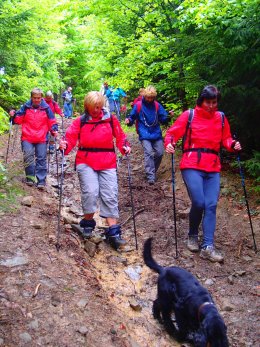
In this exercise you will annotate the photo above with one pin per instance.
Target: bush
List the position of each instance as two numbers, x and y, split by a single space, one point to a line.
10 189
4 121
252 166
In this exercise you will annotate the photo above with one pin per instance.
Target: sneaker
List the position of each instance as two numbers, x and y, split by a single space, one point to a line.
193 244
151 182
210 253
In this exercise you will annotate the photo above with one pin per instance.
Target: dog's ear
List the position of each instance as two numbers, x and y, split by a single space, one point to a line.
200 339
216 332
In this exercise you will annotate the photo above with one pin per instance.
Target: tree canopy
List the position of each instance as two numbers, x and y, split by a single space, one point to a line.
177 45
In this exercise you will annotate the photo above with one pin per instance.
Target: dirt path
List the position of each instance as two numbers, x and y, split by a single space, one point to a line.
102 297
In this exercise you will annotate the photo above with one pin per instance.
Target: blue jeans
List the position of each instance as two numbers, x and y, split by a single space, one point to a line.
68 110
203 189
35 160
153 153
114 107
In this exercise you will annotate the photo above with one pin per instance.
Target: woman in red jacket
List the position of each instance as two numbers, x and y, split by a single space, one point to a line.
200 166
94 132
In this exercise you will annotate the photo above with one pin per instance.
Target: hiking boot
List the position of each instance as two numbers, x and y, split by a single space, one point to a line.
210 253
193 244
29 182
113 236
87 226
41 185
151 182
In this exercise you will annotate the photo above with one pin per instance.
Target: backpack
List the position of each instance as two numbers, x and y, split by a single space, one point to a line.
189 129
139 107
84 119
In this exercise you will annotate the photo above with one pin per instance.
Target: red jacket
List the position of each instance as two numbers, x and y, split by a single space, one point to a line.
96 135
206 132
36 122
54 106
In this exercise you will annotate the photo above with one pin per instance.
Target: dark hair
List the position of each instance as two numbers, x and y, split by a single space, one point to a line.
208 92
36 91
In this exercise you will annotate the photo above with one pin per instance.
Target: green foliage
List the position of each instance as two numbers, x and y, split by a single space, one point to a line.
177 45
253 168
4 121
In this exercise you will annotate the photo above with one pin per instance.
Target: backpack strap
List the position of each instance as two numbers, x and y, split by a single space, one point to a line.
139 106
84 119
222 127
222 120
188 127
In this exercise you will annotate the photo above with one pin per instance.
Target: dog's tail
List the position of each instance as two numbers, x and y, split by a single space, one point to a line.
148 258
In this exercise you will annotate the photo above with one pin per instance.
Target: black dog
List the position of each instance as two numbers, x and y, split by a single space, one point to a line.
196 315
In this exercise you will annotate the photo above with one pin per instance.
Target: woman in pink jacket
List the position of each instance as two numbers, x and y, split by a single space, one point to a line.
94 134
205 131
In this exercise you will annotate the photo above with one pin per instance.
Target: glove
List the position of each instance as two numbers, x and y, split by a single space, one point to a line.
127 149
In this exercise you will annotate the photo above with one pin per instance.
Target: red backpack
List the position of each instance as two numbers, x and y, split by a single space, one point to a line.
139 107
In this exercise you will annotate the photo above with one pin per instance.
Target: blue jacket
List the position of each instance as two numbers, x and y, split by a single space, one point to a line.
149 120
114 94
67 97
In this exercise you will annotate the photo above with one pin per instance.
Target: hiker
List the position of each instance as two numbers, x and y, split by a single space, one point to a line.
139 98
200 166
114 96
68 100
149 114
96 164
54 106
37 119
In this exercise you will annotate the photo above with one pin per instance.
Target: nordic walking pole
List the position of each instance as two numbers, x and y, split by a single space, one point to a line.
245 195
48 154
174 205
8 143
132 200
60 201
62 126
15 136
57 160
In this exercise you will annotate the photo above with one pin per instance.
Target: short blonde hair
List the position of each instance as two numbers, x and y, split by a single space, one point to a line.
93 98
150 91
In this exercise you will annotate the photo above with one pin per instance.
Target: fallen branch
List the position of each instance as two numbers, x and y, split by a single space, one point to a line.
36 290
130 217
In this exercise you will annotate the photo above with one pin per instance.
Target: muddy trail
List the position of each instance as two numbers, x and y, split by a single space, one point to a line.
91 295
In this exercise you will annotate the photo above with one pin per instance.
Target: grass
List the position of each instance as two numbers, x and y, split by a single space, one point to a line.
10 189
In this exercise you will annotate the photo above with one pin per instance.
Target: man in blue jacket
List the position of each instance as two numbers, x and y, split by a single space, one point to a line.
148 115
